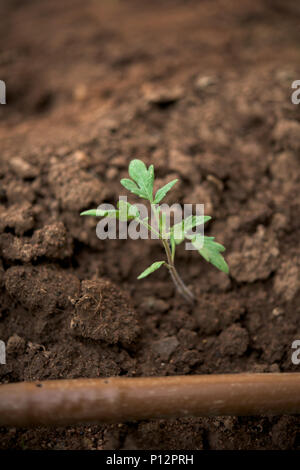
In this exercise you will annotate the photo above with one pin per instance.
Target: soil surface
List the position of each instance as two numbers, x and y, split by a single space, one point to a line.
201 90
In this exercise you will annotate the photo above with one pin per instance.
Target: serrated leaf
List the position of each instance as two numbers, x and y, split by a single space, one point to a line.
181 229
194 221
151 269
163 191
211 252
144 178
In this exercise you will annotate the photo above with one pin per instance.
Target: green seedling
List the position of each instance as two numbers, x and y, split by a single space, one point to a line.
141 184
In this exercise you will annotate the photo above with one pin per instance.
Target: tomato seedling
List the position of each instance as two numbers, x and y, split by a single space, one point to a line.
141 184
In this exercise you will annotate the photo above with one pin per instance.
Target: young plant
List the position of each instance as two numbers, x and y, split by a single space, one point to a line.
141 184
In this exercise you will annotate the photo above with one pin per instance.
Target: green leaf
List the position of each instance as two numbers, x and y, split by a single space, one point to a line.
137 170
132 187
211 252
151 180
181 229
100 213
178 240
144 178
151 268
127 211
194 221
92 212
163 191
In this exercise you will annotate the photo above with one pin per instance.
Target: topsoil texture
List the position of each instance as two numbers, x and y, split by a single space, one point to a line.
202 91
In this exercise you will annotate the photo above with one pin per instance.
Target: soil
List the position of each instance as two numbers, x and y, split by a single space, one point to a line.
201 90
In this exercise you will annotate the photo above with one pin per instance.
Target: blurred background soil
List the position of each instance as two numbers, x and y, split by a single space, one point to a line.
201 89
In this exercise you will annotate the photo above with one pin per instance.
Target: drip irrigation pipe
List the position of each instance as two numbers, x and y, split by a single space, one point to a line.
119 399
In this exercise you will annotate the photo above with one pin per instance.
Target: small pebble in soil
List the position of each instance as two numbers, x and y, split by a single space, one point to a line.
277 311
204 81
22 168
161 95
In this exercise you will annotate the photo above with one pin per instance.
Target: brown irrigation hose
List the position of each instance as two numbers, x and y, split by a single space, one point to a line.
118 399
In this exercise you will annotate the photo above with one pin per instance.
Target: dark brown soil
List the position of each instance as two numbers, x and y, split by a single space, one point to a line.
202 91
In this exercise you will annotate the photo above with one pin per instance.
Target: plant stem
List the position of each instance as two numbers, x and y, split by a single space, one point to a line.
179 284
182 289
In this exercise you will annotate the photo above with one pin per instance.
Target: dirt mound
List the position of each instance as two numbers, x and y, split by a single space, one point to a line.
103 313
